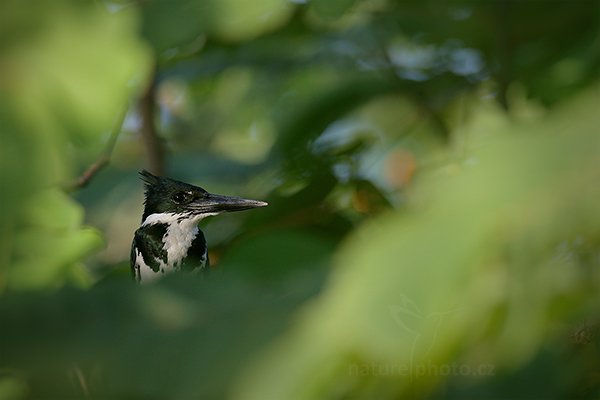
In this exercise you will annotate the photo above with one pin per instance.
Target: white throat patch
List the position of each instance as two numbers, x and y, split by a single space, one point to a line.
181 231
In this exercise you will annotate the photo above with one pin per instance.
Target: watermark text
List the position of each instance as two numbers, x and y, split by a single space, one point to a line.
420 370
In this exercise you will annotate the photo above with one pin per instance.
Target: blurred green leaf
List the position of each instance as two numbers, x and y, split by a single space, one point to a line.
63 86
12 388
331 9
413 289
171 26
48 247
185 337
281 253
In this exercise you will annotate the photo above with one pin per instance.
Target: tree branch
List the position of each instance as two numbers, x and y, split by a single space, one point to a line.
152 142
102 161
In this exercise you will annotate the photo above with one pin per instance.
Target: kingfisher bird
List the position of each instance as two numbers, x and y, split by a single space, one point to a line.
169 238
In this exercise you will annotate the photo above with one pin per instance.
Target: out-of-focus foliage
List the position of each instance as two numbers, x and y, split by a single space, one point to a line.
494 254
432 176
66 70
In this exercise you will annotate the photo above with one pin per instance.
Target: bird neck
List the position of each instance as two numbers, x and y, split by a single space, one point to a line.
178 233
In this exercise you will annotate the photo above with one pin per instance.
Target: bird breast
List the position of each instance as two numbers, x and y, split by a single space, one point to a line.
182 229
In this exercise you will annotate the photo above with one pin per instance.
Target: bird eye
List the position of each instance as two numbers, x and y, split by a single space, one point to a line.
182 197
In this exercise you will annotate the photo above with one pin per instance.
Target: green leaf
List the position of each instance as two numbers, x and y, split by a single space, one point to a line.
478 248
65 79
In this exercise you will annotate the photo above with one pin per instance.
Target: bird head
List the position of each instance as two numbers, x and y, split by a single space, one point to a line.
165 195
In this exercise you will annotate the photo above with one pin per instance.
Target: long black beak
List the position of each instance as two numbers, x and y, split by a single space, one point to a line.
216 203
